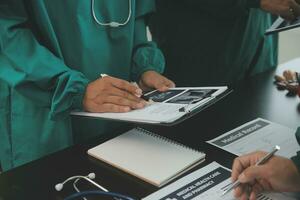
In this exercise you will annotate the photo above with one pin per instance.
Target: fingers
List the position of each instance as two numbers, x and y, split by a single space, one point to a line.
110 94
153 80
126 86
117 100
265 184
237 169
248 191
244 168
113 91
279 78
100 108
241 163
256 190
112 108
164 84
295 8
287 81
244 193
288 10
170 83
251 174
289 75
238 191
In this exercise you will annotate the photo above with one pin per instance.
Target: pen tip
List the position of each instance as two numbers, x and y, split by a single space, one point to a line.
223 193
277 147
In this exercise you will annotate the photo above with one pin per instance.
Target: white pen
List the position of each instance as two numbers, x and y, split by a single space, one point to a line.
260 162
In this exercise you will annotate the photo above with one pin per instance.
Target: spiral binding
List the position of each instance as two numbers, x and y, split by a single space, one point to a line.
165 139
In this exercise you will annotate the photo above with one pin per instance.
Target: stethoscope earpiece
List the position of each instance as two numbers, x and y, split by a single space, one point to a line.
59 187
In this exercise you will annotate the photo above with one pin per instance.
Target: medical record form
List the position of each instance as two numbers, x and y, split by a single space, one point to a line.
258 135
207 183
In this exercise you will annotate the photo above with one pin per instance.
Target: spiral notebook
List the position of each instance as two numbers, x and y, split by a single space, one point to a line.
150 157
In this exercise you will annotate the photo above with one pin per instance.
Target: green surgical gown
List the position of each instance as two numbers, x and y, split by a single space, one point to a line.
49 51
213 42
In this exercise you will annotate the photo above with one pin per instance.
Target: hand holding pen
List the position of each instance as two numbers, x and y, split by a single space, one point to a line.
262 171
109 94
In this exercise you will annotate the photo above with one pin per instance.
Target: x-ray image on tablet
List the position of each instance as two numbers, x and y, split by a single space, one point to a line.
281 25
192 96
158 96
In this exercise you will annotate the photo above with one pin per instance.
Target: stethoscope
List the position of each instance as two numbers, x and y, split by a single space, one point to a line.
83 194
112 24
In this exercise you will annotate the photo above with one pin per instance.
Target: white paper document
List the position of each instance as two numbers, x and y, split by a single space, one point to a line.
261 135
207 183
167 107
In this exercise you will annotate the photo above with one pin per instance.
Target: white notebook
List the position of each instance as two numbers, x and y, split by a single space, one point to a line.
150 157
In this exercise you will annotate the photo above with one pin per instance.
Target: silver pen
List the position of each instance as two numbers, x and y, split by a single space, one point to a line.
260 162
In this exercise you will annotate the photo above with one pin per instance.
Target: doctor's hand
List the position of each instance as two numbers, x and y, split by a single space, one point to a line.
288 80
109 94
153 80
287 9
277 174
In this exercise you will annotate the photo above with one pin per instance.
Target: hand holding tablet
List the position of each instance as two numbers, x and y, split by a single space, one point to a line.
287 9
281 25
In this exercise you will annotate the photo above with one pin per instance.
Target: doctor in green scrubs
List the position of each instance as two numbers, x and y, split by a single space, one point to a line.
52 53
214 42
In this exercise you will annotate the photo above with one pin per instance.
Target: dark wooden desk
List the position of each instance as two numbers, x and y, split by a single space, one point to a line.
253 98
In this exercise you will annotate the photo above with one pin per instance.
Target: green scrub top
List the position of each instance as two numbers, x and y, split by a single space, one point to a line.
49 51
213 42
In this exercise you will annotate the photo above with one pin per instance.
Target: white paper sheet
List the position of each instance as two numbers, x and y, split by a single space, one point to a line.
165 109
207 183
258 134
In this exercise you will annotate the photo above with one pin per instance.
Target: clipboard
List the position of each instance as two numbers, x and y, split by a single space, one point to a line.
184 116
282 25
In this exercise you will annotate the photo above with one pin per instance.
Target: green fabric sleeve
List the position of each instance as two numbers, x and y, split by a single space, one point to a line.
146 55
144 8
34 71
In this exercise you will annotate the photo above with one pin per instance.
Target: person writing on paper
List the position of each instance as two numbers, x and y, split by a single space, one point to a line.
51 56
278 174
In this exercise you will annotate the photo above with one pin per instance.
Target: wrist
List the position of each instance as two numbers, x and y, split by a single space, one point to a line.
77 103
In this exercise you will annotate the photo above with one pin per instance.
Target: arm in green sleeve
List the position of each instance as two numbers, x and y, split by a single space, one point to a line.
146 55
35 72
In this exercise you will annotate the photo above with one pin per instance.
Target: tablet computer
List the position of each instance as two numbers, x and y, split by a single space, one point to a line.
281 25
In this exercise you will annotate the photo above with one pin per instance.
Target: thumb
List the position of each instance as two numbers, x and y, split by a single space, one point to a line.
250 174
160 86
